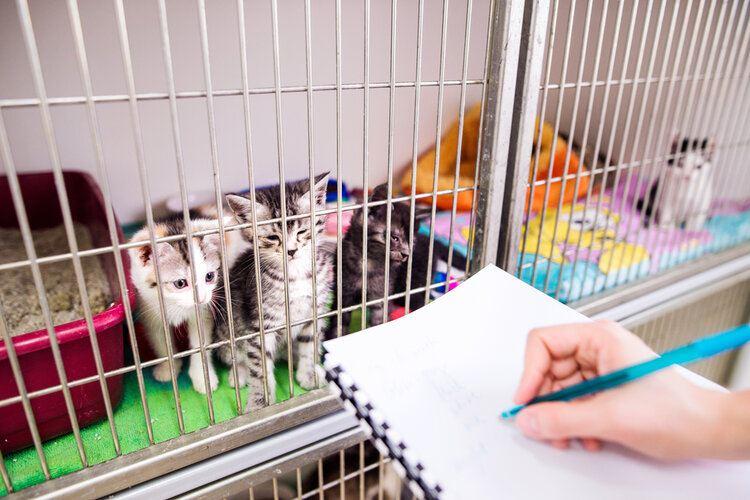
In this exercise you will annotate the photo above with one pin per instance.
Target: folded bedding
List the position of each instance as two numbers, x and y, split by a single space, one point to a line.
611 246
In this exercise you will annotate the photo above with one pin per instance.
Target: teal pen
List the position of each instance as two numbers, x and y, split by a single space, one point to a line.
689 353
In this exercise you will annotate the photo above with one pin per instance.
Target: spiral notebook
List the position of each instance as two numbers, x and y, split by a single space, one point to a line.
430 387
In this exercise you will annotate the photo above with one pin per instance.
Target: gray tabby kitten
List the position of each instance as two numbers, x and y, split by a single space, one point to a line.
246 312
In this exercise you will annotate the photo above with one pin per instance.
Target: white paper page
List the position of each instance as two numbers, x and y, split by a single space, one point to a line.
441 376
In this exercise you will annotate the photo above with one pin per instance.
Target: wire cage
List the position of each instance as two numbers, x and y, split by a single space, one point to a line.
165 107
525 133
637 157
355 471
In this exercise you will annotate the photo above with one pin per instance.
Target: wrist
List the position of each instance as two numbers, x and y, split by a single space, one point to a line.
731 430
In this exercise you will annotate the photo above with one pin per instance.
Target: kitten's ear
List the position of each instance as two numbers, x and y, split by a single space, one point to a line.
675 146
319 190
141 253
380 192
144 254
242 208
211 243
711 148
321 187
162 249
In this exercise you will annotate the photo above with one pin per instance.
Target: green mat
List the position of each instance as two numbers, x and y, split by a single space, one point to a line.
62 455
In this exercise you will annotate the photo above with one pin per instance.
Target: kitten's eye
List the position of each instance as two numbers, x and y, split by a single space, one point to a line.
303 234
210 276
395 238
180 283
273 238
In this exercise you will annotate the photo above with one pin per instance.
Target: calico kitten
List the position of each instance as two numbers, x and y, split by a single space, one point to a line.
352 255
270 257
177 288
684 198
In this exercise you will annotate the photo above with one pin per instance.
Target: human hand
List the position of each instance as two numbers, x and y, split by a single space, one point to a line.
663 415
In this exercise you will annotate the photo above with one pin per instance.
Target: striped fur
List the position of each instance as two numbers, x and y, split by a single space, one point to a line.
243 286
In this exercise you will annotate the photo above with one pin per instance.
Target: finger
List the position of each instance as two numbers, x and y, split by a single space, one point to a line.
537 361
591 444
560 444
573 379
564 340
547 386
589 374
563 368
548 343
562 420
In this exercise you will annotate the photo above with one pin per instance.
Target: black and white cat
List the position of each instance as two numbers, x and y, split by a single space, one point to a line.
353 255
246 312
684 198
177 288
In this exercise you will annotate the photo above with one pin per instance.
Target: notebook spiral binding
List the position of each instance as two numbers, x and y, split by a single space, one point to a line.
396 449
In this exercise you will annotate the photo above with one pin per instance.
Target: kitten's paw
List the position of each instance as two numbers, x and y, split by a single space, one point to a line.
199 383
306 377
256 401
241 376
162 372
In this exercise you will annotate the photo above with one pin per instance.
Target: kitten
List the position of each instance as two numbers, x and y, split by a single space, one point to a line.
177 288
352 255
244 287
683 200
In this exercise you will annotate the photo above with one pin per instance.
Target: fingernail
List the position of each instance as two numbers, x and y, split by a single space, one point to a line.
528 423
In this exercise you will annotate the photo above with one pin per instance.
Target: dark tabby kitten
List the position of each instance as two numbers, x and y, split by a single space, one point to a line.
352 255
244 287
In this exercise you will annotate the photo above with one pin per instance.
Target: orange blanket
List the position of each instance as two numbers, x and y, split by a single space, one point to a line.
446 168
557 162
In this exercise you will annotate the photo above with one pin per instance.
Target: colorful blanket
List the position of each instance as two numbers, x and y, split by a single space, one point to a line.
461 230
583 250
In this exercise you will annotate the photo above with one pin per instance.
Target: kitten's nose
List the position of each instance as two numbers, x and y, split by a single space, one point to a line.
291 251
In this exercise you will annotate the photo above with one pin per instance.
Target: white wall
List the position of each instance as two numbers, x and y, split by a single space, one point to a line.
71 126
57 52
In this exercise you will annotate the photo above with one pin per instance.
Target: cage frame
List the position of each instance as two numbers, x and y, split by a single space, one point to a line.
516 44
498 84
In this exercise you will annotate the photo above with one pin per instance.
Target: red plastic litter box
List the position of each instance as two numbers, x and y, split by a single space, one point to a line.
33 348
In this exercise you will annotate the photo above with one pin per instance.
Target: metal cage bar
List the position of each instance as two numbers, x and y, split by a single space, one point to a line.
39 84
494 170
146 195
85 74
172 97
39 284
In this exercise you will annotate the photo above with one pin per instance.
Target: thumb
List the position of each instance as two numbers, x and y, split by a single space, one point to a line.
561 420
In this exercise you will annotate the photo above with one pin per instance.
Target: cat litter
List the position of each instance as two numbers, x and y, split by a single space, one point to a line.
20 301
